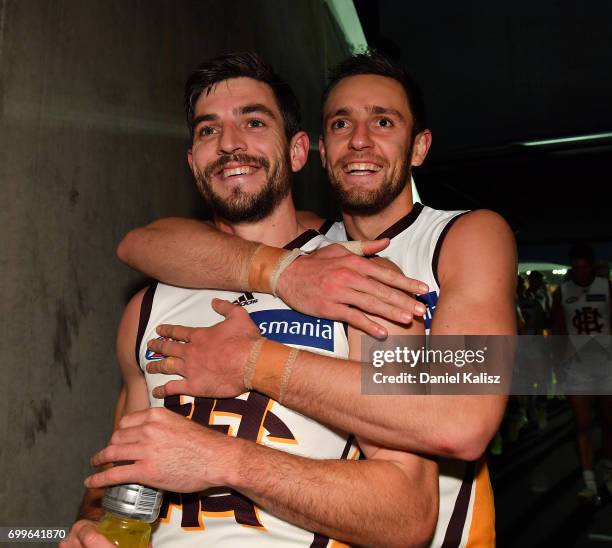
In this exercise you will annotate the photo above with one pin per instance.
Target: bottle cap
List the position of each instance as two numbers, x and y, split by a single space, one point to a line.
133 501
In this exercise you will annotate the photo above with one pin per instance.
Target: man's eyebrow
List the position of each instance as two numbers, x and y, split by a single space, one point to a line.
376 109
204 118
254 108
342 111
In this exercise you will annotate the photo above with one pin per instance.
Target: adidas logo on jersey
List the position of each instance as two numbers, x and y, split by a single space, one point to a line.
245 299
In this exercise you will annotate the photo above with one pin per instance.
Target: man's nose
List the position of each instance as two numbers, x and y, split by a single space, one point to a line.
231 140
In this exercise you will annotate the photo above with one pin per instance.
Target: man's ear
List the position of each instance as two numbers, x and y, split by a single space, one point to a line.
322 152
299 147
420 148
190 160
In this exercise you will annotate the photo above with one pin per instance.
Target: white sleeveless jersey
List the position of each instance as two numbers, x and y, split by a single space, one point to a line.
223 517
587 314
466 516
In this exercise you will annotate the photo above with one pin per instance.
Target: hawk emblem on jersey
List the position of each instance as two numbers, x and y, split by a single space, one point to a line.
291 327
586 320
430 300
257 423
150 355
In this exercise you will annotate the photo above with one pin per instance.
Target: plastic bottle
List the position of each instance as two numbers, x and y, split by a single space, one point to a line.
130 510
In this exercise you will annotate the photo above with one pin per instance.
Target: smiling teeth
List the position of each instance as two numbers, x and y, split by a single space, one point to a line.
362 167
243 170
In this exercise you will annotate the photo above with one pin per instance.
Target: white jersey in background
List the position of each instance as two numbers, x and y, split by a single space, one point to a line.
223 517
467 515
587 320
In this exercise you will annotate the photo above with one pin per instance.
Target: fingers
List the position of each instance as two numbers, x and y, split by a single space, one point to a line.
176 332
168 366
128 473
171 388
360 321
84 534
117 453
167 348
370 247
394 278
378 299
140 417
126 435
223 307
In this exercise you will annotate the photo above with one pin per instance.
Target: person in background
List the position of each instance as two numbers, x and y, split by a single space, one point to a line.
581 309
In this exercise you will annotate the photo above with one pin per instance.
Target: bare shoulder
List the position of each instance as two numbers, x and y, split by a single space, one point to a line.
134 394
481 225
309 219
128 331
131 314
478 244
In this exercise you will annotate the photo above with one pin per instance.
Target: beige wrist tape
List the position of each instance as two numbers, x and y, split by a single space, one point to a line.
269 368
262 266
266 266
285 261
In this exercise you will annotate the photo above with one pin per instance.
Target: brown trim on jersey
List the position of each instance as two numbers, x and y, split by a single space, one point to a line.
347 447
403 223
319 541
302 239
145 313
435 259
327 224
454 531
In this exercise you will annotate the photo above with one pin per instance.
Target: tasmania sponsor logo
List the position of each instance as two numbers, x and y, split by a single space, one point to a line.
595 297
291 327
430 300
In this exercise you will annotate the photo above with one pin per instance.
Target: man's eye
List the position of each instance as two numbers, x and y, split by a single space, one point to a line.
255 123
206 130
385 122
339 124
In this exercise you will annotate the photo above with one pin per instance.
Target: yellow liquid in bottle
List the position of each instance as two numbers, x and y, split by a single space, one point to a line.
125 533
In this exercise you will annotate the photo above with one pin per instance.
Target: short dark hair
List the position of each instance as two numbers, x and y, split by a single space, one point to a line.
582 251
245 64
373 62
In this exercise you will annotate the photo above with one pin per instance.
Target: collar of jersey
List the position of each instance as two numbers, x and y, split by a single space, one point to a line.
400 225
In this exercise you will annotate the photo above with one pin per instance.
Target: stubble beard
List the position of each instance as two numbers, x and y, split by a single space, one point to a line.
365 202
240 206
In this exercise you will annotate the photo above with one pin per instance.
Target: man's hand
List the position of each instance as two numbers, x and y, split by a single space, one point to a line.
84 534
168 451
336 284
212 363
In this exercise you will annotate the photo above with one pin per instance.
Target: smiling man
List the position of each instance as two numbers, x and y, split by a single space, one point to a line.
244 469
374 133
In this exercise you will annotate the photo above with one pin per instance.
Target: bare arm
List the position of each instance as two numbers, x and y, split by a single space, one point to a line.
133 397
331 282
186 252
477 298
558 314
337 498
332 497
477 272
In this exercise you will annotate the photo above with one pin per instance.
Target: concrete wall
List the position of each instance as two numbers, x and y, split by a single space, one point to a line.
91 144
